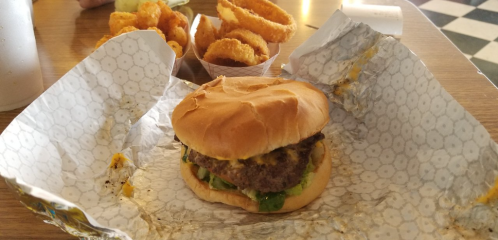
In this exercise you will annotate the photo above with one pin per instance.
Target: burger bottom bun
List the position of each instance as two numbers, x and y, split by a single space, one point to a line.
320 179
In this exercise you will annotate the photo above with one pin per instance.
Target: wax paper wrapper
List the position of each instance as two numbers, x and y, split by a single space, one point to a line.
408 160
217 70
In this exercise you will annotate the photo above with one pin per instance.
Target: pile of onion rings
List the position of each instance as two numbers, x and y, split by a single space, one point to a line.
170 25
229 48
236 48
247 26
259 16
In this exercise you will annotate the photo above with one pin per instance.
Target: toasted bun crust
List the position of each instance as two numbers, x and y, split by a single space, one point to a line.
240 117
322 175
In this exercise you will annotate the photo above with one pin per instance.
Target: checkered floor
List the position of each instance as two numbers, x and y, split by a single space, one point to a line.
472 25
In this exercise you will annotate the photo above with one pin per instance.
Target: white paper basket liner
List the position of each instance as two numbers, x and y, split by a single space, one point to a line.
407 164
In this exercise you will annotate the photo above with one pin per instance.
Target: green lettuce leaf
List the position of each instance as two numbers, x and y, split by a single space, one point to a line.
217 183
294 191
203 174
271 202
185 155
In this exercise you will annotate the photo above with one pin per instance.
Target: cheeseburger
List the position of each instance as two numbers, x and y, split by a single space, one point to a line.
254 142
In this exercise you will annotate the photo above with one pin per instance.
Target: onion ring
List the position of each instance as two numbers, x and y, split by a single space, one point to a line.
252 39
228 48
260 16
226 28
205 35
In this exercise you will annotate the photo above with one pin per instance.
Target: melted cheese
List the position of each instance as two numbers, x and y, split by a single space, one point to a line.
341 87
265 159
292 154
317 153
236 164
182 152
491 195
271 158
128 189
118 161
354 72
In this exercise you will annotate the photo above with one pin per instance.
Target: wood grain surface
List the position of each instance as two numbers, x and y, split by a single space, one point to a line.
66 34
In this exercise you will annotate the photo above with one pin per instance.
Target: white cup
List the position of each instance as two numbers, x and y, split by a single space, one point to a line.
20 73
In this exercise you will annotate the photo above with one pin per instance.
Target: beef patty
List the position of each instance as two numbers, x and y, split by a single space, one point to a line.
284 170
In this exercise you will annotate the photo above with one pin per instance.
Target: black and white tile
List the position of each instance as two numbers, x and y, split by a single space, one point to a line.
472 25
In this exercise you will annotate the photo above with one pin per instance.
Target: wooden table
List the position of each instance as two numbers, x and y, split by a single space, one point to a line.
66 34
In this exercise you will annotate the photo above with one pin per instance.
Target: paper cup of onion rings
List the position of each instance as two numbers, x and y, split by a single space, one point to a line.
231 68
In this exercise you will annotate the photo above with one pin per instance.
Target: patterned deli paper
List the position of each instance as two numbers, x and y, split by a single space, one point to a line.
408 160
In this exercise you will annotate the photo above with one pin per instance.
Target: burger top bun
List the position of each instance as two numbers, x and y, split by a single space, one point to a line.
240 117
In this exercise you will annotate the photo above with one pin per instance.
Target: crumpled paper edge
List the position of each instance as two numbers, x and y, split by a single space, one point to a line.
464 216
56 210
357 71
61 213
